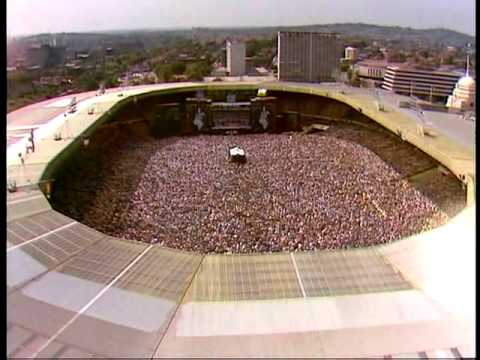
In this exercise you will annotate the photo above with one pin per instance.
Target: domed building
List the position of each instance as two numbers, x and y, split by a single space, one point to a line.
463 96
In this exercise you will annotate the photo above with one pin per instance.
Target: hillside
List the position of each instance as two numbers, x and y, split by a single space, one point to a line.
443 37
147 39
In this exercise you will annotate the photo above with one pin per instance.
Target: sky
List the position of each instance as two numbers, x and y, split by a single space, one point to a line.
38 16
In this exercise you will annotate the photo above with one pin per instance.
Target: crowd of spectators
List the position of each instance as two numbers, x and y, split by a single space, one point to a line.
403 157
295 192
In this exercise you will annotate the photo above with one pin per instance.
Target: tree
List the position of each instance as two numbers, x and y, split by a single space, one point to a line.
178 68
255 46
448 59
19 77
134 57
111 80
424 53
353 78
89 81
198 70
164 72
377 54
360 44
397 56
150 79
337 75
344 67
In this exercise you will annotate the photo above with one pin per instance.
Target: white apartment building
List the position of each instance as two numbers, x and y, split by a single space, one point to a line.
236 53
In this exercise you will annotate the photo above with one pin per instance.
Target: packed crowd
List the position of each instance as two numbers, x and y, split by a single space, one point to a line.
403 157
296 192
442 188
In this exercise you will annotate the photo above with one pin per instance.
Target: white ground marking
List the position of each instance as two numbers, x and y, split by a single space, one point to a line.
90 303
25 199
298 275
41 236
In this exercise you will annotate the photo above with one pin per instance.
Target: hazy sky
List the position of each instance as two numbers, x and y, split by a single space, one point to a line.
35 16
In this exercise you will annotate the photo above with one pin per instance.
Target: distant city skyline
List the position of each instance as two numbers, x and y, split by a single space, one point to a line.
25 17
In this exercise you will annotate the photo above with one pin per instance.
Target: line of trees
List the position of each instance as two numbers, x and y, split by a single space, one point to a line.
193 71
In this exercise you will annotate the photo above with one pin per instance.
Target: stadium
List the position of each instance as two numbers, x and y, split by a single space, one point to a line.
131 232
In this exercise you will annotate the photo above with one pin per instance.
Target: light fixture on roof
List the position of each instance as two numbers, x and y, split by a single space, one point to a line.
379 106
12 186
101 90
48 188
262 92
44 185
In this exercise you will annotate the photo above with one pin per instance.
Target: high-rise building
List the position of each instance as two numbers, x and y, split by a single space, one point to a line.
308 56
236 53
45 55
37 55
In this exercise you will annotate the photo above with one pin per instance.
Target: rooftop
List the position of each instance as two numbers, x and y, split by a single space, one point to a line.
378 63
438 71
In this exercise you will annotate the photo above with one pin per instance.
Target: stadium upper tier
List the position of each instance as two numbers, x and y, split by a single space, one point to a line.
75 292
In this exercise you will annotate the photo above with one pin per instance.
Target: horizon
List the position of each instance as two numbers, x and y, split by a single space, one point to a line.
86 16
152 29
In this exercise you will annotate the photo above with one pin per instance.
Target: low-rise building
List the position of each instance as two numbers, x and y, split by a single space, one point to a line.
219 71
179 78
82 56
261 71
250 66
351 54
372 71
451 49
434 85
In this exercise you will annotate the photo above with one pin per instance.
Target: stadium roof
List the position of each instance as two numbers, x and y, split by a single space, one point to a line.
74 292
